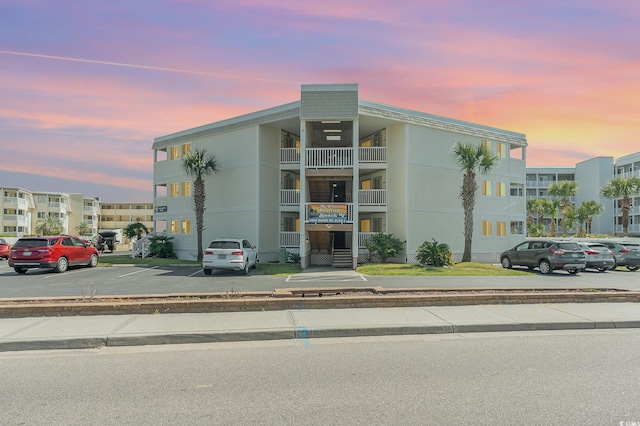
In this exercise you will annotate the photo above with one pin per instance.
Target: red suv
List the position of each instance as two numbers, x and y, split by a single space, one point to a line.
51 252
4 248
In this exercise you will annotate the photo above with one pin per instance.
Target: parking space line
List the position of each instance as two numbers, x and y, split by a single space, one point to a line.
195 273
135 272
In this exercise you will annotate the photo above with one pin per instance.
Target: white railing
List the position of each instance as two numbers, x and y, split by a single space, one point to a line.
10 217
372 154
363 237
329 213
329 158
289 197
289 239
632 228
372 197
142 246
290 155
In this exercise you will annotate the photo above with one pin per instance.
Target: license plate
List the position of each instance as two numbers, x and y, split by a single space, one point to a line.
222 256
26 253
574 254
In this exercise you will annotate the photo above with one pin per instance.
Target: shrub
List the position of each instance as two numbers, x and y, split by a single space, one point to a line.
161 246
384 245
435 254
294 257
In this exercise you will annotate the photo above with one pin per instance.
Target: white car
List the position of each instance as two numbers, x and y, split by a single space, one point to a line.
235 254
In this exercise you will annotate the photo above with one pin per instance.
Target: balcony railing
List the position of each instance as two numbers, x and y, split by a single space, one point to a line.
363 237
329 213
372 154
290 197
372 197
329 158
289 239
290 155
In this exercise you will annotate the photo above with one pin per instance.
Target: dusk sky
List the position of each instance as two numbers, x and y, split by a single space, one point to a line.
86 86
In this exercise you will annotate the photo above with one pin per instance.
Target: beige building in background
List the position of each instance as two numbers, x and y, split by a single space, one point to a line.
22 209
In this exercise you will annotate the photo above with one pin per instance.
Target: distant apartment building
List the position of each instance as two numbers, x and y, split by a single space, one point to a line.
591 175
23 209
321 175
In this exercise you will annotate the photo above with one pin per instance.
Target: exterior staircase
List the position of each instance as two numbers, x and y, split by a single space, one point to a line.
342 258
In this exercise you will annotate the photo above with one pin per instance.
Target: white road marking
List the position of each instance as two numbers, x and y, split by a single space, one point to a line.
135 272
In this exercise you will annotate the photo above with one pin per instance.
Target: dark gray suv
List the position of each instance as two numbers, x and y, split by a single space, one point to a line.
546 255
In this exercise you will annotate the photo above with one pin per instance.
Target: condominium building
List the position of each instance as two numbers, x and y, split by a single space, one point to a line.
23 209
321 175
591 176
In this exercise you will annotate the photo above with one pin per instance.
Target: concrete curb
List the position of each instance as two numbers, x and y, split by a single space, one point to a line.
262 301
296 333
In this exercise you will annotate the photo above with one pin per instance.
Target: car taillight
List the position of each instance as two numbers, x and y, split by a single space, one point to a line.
625 251
558 252
591 252
236 253
208 252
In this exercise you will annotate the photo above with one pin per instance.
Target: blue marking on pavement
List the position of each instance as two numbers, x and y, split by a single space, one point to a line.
303 336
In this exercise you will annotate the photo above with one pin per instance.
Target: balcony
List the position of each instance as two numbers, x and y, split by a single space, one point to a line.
289 239
372 197
328 158
289 197
329 213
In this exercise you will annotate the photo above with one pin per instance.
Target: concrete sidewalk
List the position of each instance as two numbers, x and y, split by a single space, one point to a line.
35 333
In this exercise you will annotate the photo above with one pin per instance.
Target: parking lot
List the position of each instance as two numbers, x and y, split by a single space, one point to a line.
129 280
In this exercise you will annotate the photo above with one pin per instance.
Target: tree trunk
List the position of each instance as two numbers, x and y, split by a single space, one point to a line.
199 199
468 196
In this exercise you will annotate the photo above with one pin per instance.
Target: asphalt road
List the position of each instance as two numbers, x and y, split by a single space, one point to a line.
545 378
127 280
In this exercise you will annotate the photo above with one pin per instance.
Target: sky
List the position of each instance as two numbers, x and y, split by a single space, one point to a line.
85 87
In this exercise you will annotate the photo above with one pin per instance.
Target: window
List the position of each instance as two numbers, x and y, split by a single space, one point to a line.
487 228
174 152
186 188
516 190
42 215
186 148
517 227
377 225
174 190
486 145
186 226
173 226
365 184
365 225
501 229
486 187
501 150
501 189
377 182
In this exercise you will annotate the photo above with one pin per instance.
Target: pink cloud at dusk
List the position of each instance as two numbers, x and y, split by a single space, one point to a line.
85 90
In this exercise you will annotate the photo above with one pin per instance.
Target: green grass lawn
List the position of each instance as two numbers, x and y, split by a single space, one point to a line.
386 269
461 269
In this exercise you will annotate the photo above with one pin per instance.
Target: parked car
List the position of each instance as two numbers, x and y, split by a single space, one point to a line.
4 249
230 253
625 254
598 256
546 255
57 252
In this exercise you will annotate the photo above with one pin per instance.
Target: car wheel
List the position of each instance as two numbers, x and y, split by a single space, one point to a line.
506 262
615 265
255 264
573 271
207 271
93 262
632 268
246 268
602 269
62 265
545 267
20 270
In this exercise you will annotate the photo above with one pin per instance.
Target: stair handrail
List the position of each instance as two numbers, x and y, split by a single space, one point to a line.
142 246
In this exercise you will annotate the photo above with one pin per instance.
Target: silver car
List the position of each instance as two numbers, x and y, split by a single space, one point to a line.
236 254
598 256
626 254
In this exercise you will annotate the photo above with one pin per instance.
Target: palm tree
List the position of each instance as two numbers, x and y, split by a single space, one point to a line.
564 190
581 218
471 158
532 204
593 208
551 210
49 225
623 189
198 164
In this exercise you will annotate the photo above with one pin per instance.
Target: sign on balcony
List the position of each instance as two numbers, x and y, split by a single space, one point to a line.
328 213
